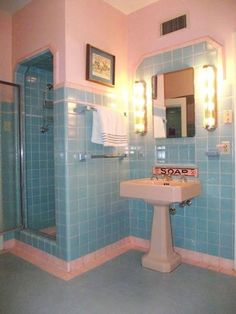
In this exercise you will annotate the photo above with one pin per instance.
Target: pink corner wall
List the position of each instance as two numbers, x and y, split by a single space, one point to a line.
5 46
215 19
102 26
38 26
66 26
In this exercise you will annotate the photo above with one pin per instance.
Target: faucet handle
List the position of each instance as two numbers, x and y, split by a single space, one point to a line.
167 177
183 179
154 176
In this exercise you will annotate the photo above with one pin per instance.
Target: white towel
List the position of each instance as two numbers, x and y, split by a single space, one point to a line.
159 126
109 128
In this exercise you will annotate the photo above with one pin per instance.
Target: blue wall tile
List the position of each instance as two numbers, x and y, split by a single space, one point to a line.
39 150
89 212
209 220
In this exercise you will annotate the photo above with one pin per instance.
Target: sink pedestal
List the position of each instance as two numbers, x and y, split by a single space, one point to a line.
161 256
161 194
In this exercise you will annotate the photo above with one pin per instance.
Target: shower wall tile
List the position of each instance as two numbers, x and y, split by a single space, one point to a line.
9 166
9 235
89 212
39 152
207 226
39 201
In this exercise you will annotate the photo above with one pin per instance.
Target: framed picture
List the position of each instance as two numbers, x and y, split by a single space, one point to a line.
100 66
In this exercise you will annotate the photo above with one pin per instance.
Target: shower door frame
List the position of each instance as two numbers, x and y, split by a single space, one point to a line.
21 154
234 159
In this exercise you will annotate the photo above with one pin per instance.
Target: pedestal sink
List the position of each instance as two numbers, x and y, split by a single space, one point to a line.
161 194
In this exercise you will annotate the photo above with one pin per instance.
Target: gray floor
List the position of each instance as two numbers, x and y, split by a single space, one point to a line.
119 286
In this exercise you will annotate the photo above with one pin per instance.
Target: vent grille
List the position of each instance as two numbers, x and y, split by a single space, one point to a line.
174 25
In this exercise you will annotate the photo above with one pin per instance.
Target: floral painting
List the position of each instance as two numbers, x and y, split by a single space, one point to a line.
100 67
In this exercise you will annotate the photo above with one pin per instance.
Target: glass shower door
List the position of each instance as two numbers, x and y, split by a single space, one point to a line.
10 163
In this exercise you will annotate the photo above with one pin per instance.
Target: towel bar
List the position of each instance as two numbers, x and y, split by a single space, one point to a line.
88 156
82 108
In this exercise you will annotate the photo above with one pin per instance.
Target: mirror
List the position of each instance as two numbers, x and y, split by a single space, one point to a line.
173 104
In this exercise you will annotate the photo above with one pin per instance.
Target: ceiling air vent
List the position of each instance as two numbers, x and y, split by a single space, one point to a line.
174 25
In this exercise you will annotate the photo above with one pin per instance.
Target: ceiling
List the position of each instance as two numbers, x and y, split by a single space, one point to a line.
11 6
129 6
125 6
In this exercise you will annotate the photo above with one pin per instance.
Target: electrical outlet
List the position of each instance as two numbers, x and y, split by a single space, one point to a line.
225 147
227 116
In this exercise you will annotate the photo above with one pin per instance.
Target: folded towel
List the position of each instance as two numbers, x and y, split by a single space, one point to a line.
159 126
109 127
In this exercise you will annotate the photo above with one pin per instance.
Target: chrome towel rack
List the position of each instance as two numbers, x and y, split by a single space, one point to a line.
82 108
88 156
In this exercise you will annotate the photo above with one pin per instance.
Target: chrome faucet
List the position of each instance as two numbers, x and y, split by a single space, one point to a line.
167 177
154 176
183 179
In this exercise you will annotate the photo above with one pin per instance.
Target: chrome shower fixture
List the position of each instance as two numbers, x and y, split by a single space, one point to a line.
44 129
49 86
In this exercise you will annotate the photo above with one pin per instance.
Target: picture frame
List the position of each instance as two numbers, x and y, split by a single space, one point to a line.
100 66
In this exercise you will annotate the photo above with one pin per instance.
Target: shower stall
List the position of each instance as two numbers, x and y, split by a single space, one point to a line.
39 193
27 180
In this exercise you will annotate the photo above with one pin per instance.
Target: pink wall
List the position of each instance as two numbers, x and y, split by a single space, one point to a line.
5 47
41 25
67 25
215 19
96 23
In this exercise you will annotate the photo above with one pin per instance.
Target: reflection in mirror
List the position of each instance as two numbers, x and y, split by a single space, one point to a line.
174 106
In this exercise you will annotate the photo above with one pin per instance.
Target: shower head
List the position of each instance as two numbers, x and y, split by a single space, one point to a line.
49 86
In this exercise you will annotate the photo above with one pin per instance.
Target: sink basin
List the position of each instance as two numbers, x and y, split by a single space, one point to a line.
160 191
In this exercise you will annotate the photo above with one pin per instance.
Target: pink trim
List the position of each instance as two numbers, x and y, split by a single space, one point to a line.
68 270
214 263
89 88
139 244
54 52
9 244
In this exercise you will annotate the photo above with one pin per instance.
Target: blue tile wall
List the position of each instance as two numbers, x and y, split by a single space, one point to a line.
33 81
9 235
208 225
9 167
38 241
39 150
89 212
93 215
61 177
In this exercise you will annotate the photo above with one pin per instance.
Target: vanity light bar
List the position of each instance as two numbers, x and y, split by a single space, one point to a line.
140 107
209 97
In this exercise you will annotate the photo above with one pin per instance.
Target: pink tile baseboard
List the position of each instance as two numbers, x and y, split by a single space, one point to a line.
9 244
214 263
68 270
